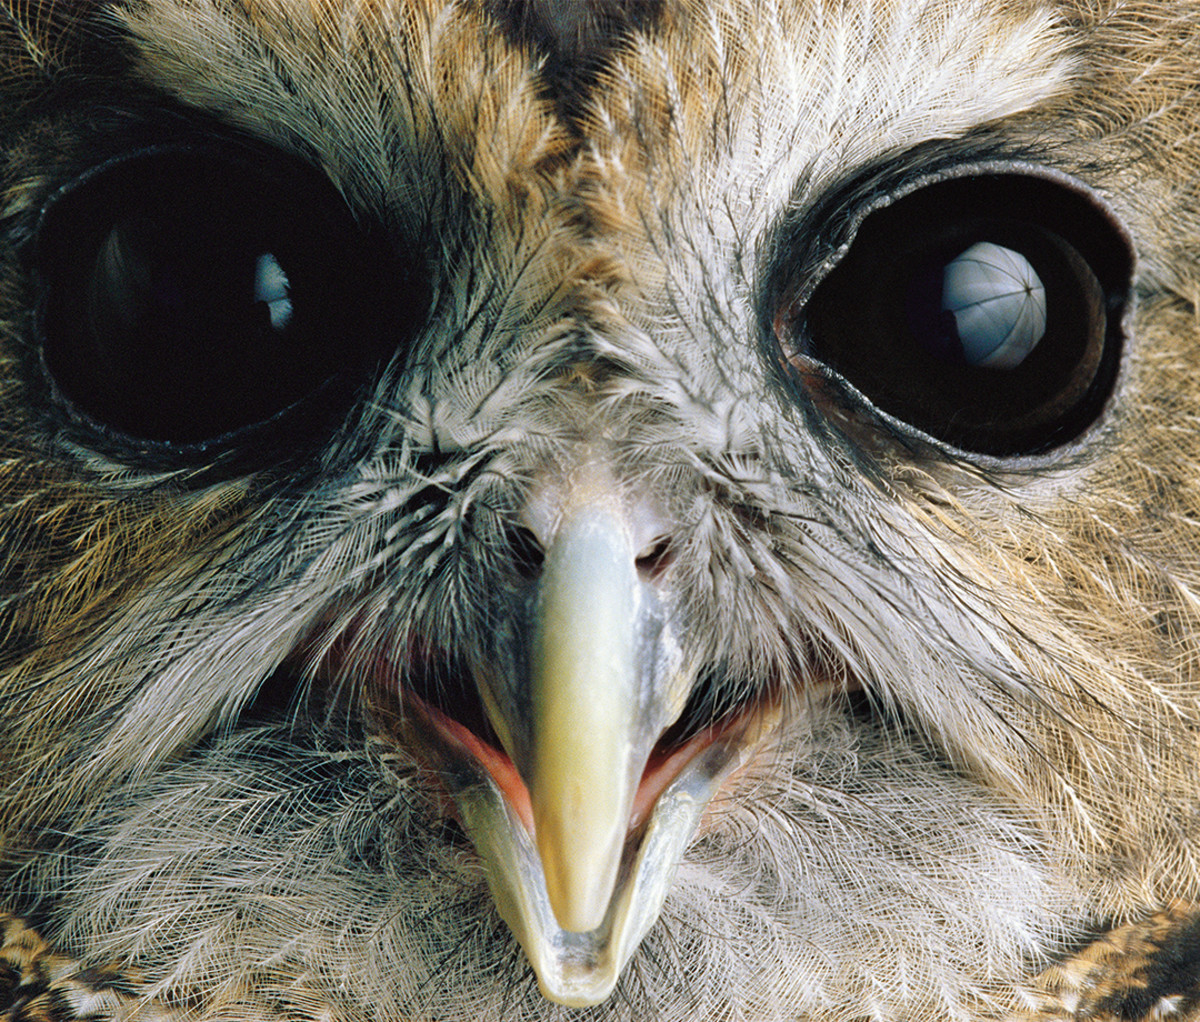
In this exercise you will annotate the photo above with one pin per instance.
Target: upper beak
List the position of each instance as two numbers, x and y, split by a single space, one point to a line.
602 689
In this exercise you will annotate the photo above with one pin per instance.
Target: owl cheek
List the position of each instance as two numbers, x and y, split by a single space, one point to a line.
578 795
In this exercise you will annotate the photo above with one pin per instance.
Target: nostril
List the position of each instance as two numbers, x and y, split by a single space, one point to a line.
655 558
527 553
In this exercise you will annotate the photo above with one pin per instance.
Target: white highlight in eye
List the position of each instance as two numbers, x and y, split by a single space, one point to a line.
998 302
271 286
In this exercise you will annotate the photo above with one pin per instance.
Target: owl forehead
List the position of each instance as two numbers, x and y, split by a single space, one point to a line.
743 101
727 98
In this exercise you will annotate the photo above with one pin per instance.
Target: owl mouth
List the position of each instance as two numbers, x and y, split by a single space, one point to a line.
685 770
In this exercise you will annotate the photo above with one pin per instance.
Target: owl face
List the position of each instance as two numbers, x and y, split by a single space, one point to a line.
596 511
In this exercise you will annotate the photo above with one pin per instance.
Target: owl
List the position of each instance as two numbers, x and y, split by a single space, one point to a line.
603 511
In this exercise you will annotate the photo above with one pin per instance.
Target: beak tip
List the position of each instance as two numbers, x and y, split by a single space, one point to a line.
578 918
579 887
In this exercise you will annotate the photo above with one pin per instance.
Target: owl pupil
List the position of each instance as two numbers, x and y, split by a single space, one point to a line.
984 310
155 278
176 311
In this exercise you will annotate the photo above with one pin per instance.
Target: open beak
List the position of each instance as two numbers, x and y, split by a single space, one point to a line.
583 815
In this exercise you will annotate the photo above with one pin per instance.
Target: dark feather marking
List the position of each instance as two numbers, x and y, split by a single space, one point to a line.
576 38
1171 970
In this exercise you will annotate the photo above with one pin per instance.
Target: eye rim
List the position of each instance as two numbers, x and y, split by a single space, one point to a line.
820 251
306 417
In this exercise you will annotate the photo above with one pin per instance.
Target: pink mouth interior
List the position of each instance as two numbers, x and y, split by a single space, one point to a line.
663 767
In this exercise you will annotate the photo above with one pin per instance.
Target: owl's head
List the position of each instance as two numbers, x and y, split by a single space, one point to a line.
704 493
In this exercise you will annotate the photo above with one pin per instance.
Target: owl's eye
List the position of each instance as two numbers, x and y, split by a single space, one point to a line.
984 311
186 295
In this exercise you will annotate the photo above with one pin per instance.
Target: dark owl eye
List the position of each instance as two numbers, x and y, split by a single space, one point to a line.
185 294
985 311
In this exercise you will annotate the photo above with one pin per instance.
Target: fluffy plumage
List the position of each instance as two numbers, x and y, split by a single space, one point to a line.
609 222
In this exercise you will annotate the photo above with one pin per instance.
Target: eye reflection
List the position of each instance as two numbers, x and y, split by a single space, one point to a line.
273 289
986 307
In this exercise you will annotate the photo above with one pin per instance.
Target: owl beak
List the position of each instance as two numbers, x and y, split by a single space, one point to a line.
581 850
